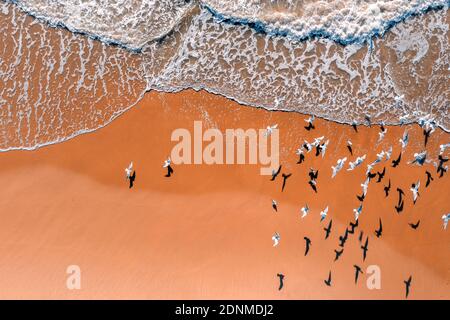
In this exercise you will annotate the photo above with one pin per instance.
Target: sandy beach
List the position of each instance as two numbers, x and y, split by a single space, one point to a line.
205 232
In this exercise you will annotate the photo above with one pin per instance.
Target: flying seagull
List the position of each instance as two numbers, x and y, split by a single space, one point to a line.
323 214
339 165
445 219
415 190
269 130
276 239
275 205
305 210
169 168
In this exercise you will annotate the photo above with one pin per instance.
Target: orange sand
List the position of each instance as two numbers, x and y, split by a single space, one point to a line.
206 232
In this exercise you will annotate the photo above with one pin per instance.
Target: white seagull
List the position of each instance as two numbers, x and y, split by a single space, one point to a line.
357 212
317 141
388 153
305 210
129 170
339 165
415 190
357 162
442 148
310 119
270 129
381 134
276 239
167 163
323 214
445 219
419 158
365 186
404 140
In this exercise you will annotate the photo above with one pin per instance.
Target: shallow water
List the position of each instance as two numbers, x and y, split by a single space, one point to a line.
281 55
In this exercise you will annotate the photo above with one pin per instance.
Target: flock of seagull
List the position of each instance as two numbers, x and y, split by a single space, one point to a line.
320 145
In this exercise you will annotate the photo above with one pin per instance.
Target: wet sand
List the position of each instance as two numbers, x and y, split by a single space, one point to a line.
205 233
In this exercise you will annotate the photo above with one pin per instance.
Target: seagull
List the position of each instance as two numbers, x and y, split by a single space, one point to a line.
317 141
305 210
328 229
339 165
310 121
301 155
357 212
404 140
445 219
269 130
388 153
275 173
349 147
419 158
380 230
169 168
403 119
415 190
276 239
381 134
357 162
338 254
380 157
407 284
442 148
307 146
365 185
358 271
354 125
275 205
308 243
323 214
281 277
129 171
328 281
